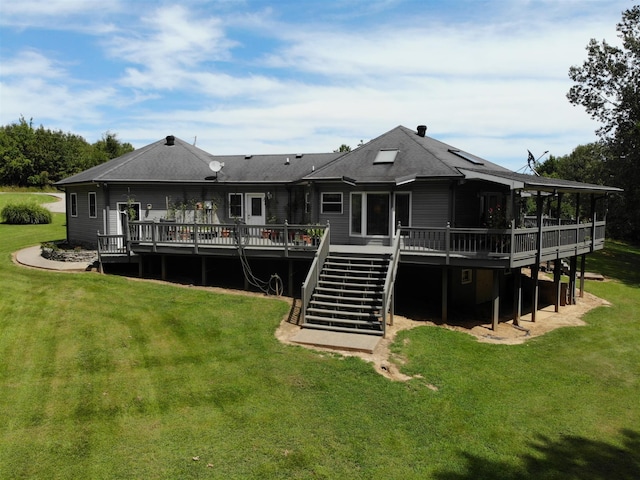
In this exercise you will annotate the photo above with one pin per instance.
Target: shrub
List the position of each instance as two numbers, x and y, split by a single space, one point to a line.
25 214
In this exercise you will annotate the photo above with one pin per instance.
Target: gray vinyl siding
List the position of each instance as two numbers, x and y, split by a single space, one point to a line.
430 204
339 222
81 229
160 198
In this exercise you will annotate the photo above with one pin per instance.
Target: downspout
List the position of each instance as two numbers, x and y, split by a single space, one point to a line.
107 201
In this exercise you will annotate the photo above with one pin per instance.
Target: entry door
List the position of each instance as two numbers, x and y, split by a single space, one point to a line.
122 209
255 209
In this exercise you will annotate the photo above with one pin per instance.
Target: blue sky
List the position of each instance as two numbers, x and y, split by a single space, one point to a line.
245 76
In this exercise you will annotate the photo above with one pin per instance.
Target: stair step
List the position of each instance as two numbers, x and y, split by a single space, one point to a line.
361 295
350 278
334 328
331 283
355 271
350 299
369 263
333 314
343 321
333 307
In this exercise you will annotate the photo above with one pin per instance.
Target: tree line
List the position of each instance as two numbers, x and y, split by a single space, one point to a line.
39 157
607 85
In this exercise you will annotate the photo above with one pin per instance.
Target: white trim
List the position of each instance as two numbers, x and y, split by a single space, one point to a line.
229 214
363 219
73 202
95 197
249 217
322 203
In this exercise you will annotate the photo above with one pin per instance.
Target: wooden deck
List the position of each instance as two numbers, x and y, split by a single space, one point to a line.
509 248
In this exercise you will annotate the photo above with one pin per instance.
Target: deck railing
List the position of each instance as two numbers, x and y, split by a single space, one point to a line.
313 275
514 243
389 282
111 244
280 236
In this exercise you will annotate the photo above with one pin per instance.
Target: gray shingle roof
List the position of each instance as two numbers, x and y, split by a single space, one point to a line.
417 157
157 162
533 182
182 162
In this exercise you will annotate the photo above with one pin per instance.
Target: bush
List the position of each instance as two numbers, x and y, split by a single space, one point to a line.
25 214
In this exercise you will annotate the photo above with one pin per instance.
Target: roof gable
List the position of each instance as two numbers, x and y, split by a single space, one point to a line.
159 161
416 157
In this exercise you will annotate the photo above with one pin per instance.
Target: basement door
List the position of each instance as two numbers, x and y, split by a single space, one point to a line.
256 209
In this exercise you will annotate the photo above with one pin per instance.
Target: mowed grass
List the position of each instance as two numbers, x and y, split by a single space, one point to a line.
109 377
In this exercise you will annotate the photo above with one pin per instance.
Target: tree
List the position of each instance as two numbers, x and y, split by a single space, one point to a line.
343 148
585 164
608 87
109 147
39 157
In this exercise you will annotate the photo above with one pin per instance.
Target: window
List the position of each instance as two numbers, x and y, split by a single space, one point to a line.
235 205
331 203
378 214
93 209
386 156
403 209
73 199
356 213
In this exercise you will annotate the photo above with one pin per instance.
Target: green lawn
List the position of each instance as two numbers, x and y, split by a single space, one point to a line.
107 377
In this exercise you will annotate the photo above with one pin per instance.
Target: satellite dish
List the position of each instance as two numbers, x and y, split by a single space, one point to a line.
215 166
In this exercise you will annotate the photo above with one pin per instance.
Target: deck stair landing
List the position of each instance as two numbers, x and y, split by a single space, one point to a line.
348 296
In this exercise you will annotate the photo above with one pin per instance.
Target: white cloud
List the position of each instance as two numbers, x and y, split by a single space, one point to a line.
30 63
494 86
168 46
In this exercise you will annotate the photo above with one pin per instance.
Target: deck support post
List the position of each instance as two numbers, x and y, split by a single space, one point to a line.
572 280
495 301
535 270
163 267
557 273
140 266
517 295
582 267
290 282
445 293
203 270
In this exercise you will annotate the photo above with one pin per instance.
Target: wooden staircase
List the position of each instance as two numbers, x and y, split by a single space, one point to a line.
348 294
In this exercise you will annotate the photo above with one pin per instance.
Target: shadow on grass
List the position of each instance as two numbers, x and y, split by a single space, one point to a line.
619 261
568 458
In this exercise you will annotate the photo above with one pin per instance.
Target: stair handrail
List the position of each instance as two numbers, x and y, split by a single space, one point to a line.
313 275
389 282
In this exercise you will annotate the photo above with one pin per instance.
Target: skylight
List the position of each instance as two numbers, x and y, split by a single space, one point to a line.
386 155
467 156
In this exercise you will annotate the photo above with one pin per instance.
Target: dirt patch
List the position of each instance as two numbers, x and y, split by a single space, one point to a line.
506 333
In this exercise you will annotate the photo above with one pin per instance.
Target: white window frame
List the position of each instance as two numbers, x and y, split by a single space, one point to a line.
95 204
241 196
363 219
73 204
324 203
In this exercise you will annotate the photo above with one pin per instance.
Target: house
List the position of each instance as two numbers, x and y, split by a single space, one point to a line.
403 202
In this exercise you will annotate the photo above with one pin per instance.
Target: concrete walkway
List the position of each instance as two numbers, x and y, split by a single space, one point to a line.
356 342
59 206
31 257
